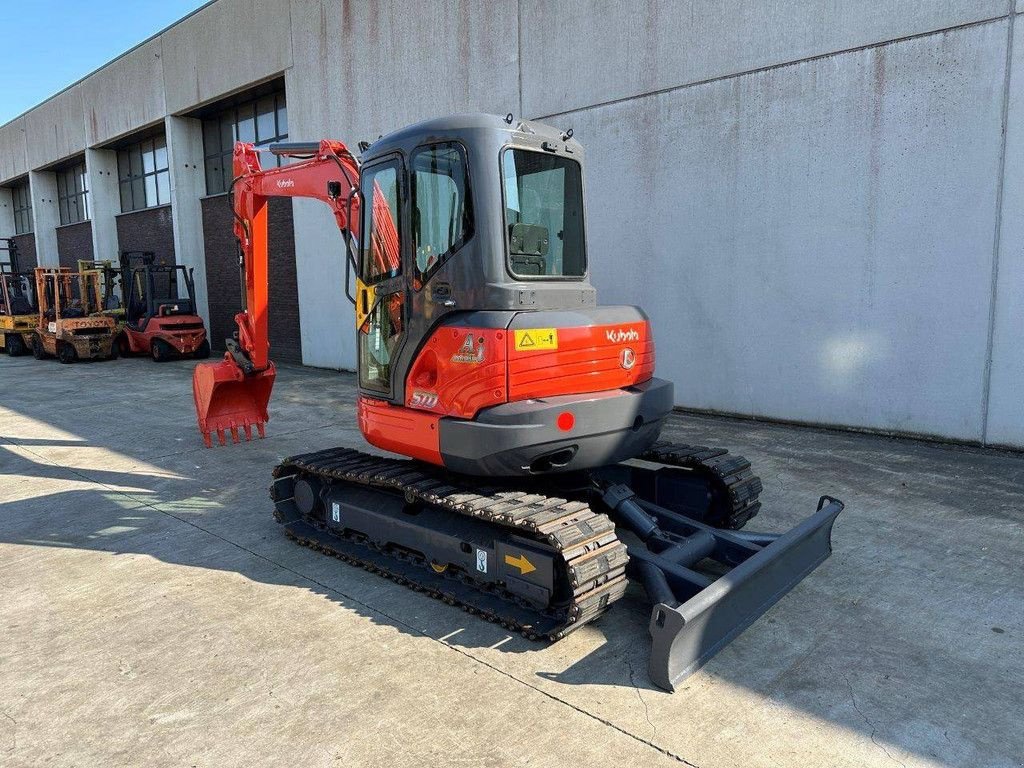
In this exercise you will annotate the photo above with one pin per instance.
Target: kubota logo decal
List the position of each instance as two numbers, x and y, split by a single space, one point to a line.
627 358
618 336
285 183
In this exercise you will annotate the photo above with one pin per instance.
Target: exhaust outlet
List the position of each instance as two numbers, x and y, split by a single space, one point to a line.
557 459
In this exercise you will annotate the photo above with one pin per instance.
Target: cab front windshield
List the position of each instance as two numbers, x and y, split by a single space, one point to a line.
543 215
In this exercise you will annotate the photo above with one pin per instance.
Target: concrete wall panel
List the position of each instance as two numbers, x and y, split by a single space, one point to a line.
224 47
57 128
13 150
45 216
1006 404
812 242
104 201
125 95
188 185
385 65
6 213
574 55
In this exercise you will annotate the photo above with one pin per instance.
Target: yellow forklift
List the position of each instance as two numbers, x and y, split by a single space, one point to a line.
18 310
106 277
64 329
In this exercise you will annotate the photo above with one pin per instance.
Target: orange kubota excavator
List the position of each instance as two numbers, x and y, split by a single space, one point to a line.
530 415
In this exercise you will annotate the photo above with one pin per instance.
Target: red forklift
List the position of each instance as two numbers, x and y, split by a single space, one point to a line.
160 310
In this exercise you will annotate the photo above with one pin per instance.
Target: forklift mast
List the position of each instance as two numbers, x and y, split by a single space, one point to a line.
17 292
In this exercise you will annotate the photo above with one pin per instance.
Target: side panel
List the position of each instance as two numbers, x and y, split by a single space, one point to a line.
551 360
458 372
393 428
484 359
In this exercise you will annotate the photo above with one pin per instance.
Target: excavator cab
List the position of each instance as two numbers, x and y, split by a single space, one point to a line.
480 343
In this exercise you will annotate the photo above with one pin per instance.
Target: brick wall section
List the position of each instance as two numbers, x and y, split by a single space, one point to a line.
223 282
150 229
26 251
74 242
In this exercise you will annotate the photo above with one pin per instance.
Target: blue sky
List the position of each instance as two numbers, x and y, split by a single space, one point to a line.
49 44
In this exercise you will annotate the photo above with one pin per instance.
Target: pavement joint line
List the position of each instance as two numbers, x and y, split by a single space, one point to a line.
374 609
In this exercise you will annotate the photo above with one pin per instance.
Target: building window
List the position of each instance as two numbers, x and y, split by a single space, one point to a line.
260 122
73 195
22 209
142 171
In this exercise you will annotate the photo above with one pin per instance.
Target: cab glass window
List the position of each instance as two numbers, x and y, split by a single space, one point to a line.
381 254
441 216
543 214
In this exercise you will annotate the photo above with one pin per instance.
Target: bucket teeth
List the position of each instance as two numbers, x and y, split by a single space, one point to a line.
228 401
236 431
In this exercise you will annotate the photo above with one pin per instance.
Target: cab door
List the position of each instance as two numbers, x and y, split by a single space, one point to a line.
381 283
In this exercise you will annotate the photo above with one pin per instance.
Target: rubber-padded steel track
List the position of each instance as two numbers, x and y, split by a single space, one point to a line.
591 557
733 485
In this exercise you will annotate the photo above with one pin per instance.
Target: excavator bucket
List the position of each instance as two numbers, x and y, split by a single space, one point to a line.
228 400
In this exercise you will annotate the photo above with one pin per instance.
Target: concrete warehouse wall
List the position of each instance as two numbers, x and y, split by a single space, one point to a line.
818 202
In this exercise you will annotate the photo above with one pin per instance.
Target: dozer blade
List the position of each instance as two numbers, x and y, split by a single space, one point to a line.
227 400
685 636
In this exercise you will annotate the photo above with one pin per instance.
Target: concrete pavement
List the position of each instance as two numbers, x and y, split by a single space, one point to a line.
151 611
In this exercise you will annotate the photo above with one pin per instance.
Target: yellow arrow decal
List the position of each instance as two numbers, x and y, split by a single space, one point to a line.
520 562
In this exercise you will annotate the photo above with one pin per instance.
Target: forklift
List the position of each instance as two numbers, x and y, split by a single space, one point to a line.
159 315
17 303
64 328
108 277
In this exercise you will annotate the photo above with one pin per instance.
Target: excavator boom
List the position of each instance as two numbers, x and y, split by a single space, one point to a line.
233 394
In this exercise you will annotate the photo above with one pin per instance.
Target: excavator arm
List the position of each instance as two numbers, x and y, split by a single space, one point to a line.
233 394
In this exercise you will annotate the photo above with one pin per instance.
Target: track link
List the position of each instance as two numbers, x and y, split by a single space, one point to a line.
733 486
592 557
